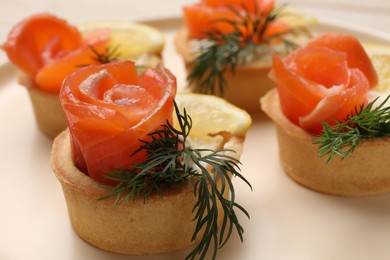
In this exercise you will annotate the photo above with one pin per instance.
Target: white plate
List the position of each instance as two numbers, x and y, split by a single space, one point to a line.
287 220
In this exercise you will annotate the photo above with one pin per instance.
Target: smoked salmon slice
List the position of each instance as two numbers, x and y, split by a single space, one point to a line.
202 19
250 5
47 49
322 81
109 108
217 15
337 106
356 55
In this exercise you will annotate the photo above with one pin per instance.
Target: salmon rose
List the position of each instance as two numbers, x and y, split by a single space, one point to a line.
109 108
48 49
225 15
323 81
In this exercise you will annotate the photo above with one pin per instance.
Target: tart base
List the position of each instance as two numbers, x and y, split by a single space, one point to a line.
48 111
161 224
245 85
366 173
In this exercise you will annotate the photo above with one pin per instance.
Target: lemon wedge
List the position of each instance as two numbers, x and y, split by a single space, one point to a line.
130 38
295 18
212 115
380 57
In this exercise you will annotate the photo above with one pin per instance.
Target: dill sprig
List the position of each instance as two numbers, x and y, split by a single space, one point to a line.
163 164
206 208
225 51
170 161
109 55
364 123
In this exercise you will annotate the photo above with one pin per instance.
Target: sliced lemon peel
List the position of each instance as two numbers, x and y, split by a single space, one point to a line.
380 57
130 38
213 115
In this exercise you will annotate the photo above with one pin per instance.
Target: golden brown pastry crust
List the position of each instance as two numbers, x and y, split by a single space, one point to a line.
245 86
161 224
48 111
366 173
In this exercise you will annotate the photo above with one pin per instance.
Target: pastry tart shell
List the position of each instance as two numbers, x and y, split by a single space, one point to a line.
49 115
161 224
244 86
366 173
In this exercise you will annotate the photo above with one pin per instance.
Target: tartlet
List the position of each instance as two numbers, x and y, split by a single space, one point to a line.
365 173
61 48
49 115
248 81
344 83
159 225
112 114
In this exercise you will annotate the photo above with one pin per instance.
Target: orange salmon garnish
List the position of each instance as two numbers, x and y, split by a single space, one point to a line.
110 108
224 15
323 81
48 48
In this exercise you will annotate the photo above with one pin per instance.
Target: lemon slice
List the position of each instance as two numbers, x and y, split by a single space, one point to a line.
212 115
131 39
380 57
296 18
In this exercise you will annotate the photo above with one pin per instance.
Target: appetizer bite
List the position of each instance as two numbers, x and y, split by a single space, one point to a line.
146 171
326 105
47 48
226 46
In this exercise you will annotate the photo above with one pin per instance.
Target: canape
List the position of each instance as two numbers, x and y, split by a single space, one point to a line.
120 124
226 46
46 48
325 94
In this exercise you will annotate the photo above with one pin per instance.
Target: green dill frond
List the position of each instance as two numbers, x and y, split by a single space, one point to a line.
209 196
170 161
109 55
364 123
226 51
